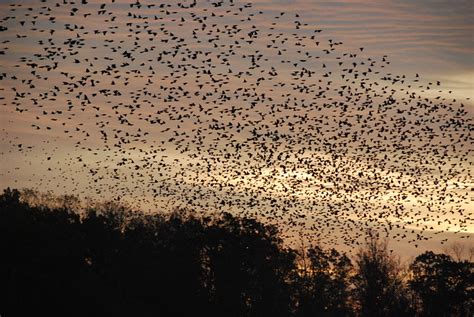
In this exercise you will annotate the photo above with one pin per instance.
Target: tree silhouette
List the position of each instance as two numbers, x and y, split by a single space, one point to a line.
112 261
323 284
247 268
379 285
104 259
445 286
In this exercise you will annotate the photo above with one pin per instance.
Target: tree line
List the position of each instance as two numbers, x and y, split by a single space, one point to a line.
106 260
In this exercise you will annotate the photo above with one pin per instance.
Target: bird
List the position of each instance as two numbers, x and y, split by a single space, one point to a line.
200 106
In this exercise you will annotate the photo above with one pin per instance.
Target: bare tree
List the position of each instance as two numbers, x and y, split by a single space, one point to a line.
379 283
459 251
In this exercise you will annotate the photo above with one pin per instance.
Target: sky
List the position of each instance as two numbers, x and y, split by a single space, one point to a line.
326 118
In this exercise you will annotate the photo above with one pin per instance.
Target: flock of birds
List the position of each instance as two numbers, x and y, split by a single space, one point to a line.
216 106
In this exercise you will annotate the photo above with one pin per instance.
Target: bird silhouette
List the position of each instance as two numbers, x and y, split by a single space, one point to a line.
199 104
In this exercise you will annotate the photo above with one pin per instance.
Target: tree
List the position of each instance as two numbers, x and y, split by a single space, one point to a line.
324 283
379 284
110 260
42 257
247 268
445 286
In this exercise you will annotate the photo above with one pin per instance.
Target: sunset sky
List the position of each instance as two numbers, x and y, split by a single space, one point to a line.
324 117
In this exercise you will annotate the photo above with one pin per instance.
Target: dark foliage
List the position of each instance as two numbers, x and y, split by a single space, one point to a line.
322 285
58 262
110 261
379 285
445 286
